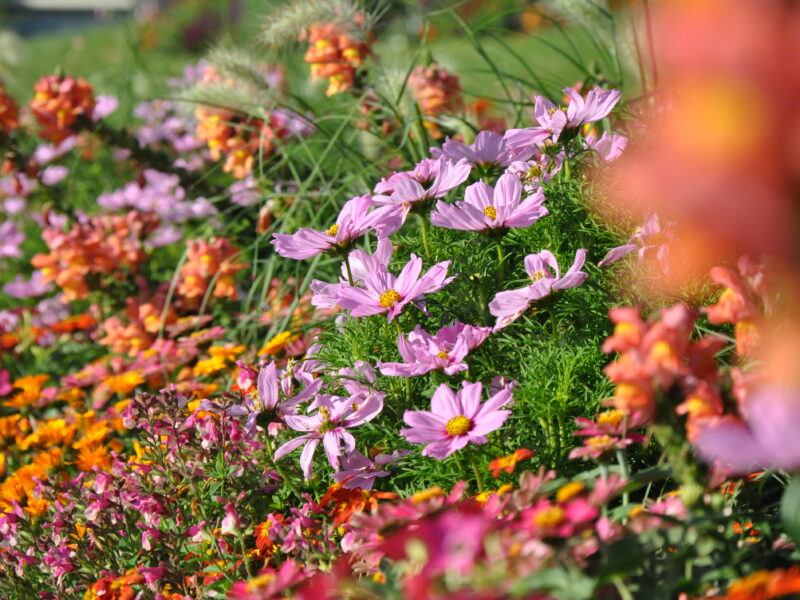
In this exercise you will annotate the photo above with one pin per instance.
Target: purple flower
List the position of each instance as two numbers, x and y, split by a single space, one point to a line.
648 237
552 120
20 288
359 472
385 293
607 147
489 148
11 239
486 209
354 220
446 350
409 193
768 438
104 106
329 425
244 192
456 420
545 275
53 174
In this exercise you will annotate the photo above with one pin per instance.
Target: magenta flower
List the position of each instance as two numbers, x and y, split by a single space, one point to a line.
456 420
648 237
545 275
767 438
553 120
489 148
409 193
446 350
385 293
424 172
489 209
329 424
355 219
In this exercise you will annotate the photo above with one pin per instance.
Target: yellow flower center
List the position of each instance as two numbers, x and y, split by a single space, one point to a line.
598 440
491 212
537 275
389 297
549 517
610 417
259 582
458 426
442 355
569 491
332 230
326 424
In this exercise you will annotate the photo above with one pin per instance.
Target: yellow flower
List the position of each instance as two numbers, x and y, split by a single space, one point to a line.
209 366
278 343
52 432
124 383
227 353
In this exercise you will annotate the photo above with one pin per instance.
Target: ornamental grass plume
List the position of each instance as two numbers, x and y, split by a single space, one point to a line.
456 419
491 210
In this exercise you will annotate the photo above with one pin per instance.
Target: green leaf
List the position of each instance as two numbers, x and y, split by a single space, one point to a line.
790 509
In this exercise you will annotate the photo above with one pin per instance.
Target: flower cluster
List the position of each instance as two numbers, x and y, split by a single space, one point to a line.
58 103
335 52
210 265
437 92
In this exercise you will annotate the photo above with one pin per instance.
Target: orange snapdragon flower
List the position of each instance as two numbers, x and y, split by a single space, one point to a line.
214 261
9 112
58 103
509 463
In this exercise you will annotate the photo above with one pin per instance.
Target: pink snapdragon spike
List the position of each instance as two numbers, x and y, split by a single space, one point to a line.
491 209
553 120
446 351
488 149
355 219
765 438
409 194
545 275
360 472
650 237
456 419
386 293
329 424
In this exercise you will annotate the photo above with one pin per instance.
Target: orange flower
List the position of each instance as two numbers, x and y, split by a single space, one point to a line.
9 112
31 387
278 343
50 432
58 103
124 383
509 463
763 585
346 502
93 456
209 366
214 261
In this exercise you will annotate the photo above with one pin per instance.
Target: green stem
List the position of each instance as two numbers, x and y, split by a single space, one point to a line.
622 460
475 469
349 272
424 223
501 259
567 173
284 477
246 558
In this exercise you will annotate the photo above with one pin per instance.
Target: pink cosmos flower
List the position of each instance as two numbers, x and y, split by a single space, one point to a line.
536 172
489 148
358 471
361 264
767 437
649 237
409 193
456 420
329 424
355 219
385 293
424 172
545 275
552 120
486 208
607 147
446 350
